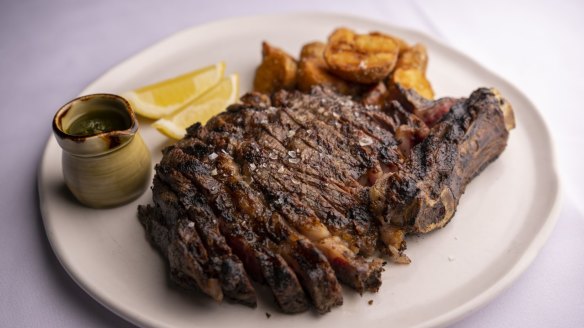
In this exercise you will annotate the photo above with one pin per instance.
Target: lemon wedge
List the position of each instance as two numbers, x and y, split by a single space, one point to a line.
163 98
211 103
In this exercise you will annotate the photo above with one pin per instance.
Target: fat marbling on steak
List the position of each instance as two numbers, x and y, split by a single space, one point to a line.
302 192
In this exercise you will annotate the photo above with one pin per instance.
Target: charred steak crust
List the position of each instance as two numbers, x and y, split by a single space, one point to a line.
425 194
298 192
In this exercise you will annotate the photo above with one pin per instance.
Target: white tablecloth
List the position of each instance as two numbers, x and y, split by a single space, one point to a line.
50 50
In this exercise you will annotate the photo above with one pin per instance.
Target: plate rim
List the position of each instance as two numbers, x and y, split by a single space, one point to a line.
478 301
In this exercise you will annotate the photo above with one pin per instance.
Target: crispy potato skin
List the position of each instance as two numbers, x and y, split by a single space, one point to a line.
313 49
361 58
278 70
413 79
313 70
413 57
410 72
401 43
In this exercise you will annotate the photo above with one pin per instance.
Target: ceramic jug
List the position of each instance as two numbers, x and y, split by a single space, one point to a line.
105 160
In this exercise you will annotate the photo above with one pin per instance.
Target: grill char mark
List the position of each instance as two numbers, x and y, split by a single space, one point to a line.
187 257
350 268
356 271
224 265
260 260
302 166
314 272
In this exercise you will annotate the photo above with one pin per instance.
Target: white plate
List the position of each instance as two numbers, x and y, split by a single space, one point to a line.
503 219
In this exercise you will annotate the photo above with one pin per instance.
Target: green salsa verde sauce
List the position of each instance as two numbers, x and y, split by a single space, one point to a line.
97 122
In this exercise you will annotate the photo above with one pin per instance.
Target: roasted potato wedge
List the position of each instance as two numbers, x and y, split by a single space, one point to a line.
410 71
401 43
276 71
311 73
313 70
313 50
413 79
361 58
414 57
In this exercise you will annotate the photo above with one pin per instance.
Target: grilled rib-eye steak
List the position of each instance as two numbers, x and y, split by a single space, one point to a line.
302 192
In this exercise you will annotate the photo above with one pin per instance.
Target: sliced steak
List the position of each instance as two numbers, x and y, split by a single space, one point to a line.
300 191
